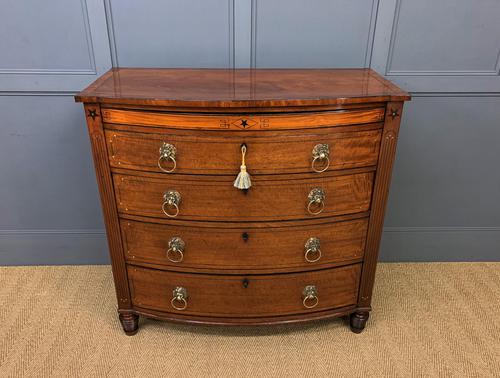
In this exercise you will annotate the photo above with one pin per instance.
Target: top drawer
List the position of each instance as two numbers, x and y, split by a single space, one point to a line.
259 121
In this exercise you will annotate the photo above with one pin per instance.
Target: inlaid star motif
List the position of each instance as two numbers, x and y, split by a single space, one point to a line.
394 113
92 113
244 123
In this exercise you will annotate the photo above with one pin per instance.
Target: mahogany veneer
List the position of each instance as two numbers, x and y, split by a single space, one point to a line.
253 256
213 198
226 296
270 154
244 248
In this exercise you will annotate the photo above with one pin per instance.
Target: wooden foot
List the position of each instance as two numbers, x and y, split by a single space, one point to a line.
130 323
358 321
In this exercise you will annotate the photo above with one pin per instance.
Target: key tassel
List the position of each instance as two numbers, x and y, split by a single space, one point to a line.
243 180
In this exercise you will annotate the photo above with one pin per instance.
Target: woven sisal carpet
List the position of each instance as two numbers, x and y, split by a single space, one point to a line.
432 320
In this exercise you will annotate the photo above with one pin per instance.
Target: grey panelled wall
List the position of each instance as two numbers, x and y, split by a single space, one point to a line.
187 33
446 183
324 33
51 46
444 204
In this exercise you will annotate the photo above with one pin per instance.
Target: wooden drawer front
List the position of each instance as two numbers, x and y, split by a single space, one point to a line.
219 154
236 247
282 121
215 198
244 296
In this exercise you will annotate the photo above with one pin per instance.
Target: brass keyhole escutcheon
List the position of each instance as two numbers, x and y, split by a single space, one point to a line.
245 236
246 282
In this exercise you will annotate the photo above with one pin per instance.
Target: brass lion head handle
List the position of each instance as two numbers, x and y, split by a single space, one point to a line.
175 252
171 199
167 152
316 200
320 154
312 250
310 296
179 298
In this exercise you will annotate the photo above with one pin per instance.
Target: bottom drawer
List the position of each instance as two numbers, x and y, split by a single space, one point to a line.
244 296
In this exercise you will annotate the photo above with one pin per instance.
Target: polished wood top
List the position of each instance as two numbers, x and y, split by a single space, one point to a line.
204 88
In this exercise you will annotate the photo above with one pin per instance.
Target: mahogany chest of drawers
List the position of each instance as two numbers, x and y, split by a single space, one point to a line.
294 238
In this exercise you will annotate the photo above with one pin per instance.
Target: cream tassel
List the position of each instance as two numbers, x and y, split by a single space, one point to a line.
243 180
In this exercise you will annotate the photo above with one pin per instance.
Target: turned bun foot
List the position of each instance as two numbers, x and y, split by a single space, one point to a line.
358 321
130 323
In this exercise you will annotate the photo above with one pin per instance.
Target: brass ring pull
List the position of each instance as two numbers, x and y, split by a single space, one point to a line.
319 211
179 297
167 152
171 198
176 248
312 251
313 164
310 294
167 213
320 152
181 300
161 158
316 197
312 248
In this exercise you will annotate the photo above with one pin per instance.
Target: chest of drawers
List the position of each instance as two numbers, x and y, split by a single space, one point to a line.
187 245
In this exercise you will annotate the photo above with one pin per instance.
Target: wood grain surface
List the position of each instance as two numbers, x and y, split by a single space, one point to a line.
218 153
242 122
214 198
240 87
239 247
228 296
108 204
244 250
381 191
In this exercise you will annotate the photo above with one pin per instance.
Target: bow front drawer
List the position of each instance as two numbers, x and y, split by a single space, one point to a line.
258 121
219 152
215 198
244 296
244 247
